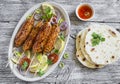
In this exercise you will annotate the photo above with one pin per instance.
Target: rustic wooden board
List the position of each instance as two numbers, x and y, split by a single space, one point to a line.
107 11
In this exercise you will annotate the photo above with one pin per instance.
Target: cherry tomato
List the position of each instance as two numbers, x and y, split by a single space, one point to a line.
53 57
24 59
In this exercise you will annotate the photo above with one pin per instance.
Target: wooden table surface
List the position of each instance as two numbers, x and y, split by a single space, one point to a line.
106 11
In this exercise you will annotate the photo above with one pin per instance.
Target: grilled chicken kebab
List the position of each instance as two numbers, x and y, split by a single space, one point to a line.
42 37
52 38
24 31
31 38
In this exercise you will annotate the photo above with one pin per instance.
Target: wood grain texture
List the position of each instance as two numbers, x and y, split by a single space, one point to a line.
106 11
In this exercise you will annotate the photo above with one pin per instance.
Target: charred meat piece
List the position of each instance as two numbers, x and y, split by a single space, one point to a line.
24 31
31 38
41 38
52 38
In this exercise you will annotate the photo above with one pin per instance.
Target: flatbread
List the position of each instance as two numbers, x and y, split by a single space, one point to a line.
106 52
82 45
81 57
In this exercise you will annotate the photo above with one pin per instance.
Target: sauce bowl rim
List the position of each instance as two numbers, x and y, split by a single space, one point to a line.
81 4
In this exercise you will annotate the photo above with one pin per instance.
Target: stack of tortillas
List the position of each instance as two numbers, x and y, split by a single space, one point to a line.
104 53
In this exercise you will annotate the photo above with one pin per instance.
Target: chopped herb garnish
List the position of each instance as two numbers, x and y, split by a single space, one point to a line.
29 16
56 51
61 65
44 17
97 38
48 13
37 11
49 62
47 10
25 65
102 39
65 56
40 73
62 37
17 53
94 35
60 21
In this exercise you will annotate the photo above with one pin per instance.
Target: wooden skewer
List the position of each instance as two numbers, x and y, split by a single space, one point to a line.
7 64
30 63
36 71
23 54
18 59
38 68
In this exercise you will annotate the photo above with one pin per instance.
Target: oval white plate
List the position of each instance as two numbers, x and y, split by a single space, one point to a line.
10 54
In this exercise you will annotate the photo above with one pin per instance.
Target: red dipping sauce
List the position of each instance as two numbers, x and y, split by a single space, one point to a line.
85 11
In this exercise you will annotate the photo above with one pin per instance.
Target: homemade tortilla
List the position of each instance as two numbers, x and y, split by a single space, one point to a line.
82 45
105 52
81 57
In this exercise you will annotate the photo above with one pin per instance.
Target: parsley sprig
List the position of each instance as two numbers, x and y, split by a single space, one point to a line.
60 20
97 38
62 37
47 13
49 62
25 65
56 51
40 73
